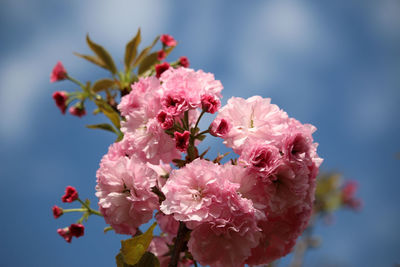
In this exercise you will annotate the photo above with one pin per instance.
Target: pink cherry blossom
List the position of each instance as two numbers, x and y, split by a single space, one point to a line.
168 40
125 196
59 73
252 119
183 88
182 140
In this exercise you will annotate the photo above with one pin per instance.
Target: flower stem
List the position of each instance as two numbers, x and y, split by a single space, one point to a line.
198 119
91 211
179 245
73 210
75 81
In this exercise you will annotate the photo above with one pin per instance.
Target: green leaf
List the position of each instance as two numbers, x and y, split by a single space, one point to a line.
144 52
92 59
109 112
131 50
147 63
102 126
102 84
148 260
134 248
102 54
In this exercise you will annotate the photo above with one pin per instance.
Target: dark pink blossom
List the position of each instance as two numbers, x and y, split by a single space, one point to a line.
70 194
182 140
166 120
161 55
77 229
160 68
57 211
184 62
210 103
219 127
61 97
77 111
168 40
59 73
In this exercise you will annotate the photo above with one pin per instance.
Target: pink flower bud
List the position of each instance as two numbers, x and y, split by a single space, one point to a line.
210 103
65 233
160 68
70 194
77 111
184 62
166 120
61 97
57 211
59 73
77 229
219 128
182 140
168 40
161 55
348 195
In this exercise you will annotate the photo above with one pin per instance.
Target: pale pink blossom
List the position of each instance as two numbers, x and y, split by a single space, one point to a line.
228 238
191 190
151 144
252 119
124 189
219 127
167 223
184 87
159 247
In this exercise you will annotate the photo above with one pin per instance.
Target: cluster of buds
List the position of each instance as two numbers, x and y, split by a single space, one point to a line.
75 229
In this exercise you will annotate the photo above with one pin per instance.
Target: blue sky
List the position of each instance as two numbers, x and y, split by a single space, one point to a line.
335 65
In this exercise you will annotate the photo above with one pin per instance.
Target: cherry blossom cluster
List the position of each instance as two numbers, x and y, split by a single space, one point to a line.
249 210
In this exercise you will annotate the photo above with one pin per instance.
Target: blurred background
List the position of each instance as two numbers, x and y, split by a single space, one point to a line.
333 64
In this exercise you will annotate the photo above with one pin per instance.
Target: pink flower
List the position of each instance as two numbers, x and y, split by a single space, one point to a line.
219 127
168 40
77 229
160 68
57 211
159 247
151 144
124 189
261 157
210 103
167 223
67 233
279 235
77 111
59 73
252 119
61 97
182 140
184 62
70 194
188 86
166 120
175 103
161 55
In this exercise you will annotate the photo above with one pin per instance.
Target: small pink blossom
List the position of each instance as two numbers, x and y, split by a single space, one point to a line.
59 73
175 103
70 194
219 127
77 111
182 140
166 120
168 40
61 97
161 55
184 62
210 103
57 211
74 229
348 195
160 68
